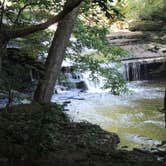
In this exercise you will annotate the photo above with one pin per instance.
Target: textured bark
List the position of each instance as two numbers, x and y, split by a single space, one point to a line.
55 57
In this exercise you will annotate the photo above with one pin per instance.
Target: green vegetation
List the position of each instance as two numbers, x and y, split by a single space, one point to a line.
91 27
9 86
147 16
29 132
42 134
145 10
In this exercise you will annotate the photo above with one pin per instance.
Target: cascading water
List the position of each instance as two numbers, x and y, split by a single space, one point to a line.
81 81
133 116
93 85
133 71
143 70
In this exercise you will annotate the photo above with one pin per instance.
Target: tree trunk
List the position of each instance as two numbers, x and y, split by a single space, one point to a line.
55 57
165 100
3 44
165 107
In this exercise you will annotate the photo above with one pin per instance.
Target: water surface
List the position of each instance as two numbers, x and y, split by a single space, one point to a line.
135 116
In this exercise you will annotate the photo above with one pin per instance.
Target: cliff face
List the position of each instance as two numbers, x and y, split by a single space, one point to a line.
146 43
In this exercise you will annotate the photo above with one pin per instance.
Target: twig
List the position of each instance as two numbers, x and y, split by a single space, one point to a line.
21 10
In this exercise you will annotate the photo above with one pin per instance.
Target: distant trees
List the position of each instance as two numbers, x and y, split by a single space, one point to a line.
145 10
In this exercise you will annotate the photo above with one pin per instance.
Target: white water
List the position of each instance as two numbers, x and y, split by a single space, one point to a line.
134 116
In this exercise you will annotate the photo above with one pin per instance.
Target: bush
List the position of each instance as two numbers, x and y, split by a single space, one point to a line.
145 10
31 130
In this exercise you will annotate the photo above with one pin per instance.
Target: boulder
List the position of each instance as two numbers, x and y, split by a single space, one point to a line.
146 26
81 85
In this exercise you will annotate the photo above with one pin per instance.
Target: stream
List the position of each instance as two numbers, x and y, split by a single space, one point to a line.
134 116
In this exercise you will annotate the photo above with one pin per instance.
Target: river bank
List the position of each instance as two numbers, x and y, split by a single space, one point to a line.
42 134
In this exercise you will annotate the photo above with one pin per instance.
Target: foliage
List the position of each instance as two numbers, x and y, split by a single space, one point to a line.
32 128
13 79
100 12
29 132
12 73
115 81
42 134
16 75
106 69
145 10
90 28
23 12
36 45
91 37
88 36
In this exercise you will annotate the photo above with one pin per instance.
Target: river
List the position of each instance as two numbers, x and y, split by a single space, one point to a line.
134 116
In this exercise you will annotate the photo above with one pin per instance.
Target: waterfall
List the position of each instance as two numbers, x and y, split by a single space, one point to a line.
133 71
78 80
85 81
136 71
93 85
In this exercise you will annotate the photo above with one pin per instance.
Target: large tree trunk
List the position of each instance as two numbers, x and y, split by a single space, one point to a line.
56 54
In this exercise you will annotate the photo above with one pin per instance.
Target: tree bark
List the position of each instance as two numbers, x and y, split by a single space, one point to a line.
165 107
56 54
165 100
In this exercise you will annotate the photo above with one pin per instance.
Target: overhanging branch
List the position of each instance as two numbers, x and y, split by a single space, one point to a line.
10 34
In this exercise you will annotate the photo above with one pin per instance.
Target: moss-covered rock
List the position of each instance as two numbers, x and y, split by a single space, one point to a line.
146 26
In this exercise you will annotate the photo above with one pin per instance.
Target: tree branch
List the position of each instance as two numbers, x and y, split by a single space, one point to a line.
20 11
10 34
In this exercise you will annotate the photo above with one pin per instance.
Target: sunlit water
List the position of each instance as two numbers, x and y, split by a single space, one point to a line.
135 116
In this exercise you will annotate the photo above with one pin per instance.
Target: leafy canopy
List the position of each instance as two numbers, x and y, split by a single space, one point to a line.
90 31
145 9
